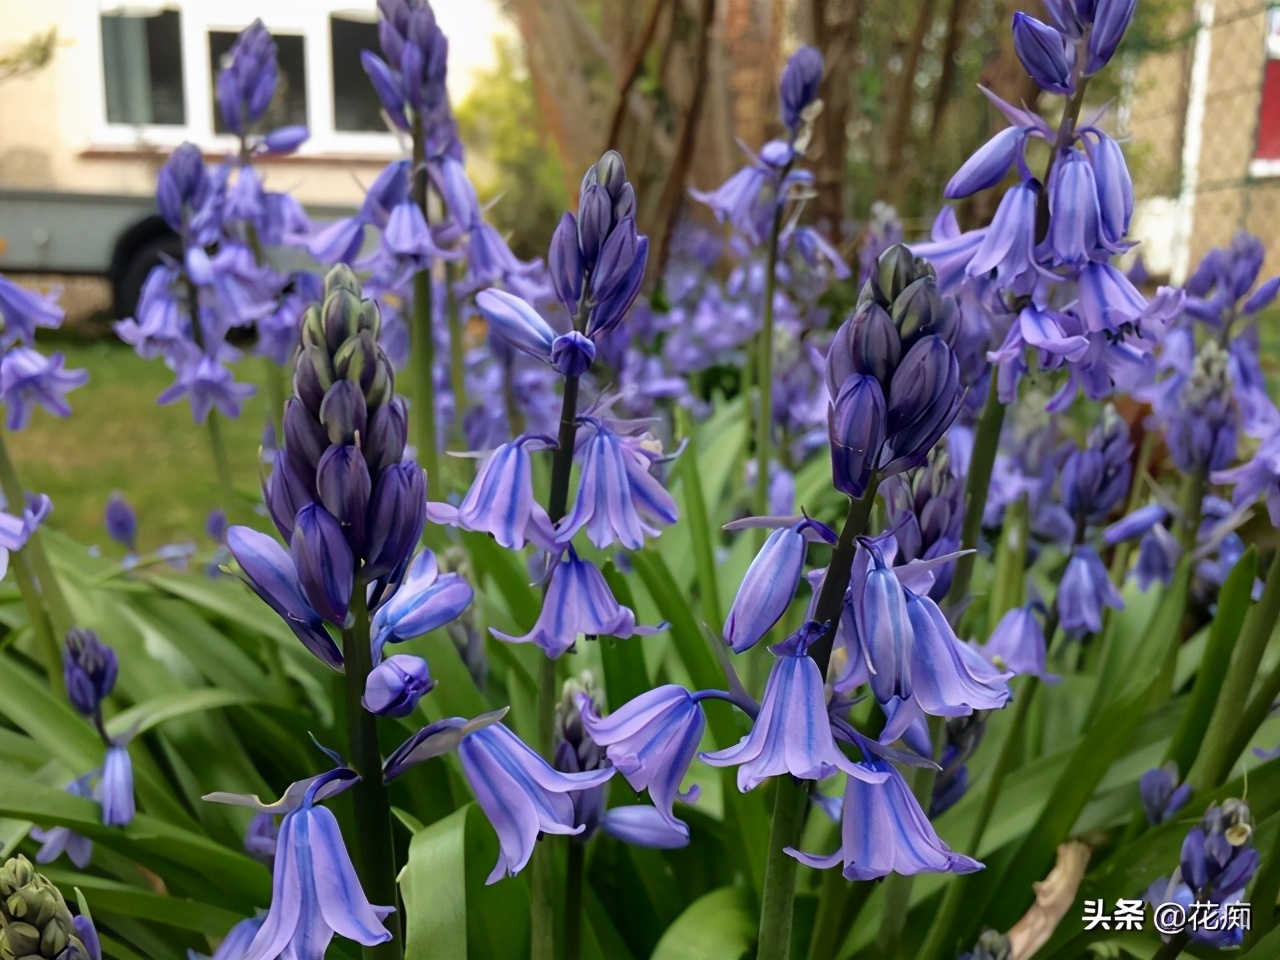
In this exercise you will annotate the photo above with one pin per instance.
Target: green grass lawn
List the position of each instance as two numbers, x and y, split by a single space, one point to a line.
119 438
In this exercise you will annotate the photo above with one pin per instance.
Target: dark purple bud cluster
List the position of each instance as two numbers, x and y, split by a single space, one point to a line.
341 491
89 668
248 79
799 87
892 373
1095 478
575 751
1217 857
597 259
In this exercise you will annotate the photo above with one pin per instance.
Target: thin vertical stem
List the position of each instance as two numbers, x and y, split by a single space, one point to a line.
221 465
764 361
49 646
777 909
573 900
986 442
457 353
374 847
777 902
422 342
46 581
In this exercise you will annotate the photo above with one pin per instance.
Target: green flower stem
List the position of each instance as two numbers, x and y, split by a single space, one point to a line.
1230 728
699 524
1173 949
573 901
374 848
839 903
777 902
1265 890
42 587
457 354
986 442
422 342
543 899
221 463
48 645
764 360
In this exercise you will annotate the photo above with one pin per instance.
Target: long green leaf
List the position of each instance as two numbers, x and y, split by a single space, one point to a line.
142 717
721 924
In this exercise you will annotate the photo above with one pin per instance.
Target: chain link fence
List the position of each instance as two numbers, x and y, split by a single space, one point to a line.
1203 119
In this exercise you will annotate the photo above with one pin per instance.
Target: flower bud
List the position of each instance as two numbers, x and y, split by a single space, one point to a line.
595 219
924 398
1111 19
1044 53
304 436
988 165
324 561
387 434
122 522
313 328
340 315
617 258
799 87
343 412
286 139
610 311
341 277
286 492
572 354
313 375
35 923
610 172
856 427
397 514
917 310
866 343
90 669
896 268
343 485
181 182
395 686
116 787
357 360
564 263
767 589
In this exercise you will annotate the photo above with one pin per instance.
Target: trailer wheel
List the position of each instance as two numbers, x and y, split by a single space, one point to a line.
137 251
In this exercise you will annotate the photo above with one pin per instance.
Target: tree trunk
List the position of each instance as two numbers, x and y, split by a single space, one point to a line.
904 103
834 25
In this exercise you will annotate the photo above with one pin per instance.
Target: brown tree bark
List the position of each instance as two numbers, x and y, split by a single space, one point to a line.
835 33
944 93
904 102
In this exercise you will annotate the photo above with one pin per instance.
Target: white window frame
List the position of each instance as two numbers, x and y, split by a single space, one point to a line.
306 18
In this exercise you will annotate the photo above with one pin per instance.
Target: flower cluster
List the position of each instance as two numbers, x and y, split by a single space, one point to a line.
35 922
28 378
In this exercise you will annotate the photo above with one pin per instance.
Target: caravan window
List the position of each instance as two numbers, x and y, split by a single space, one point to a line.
289 105
142 68
356 108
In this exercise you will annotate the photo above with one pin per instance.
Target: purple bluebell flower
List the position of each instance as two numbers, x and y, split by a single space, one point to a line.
59 840
273 577
516 322
1017 645
1008 246
28 378
1162 796
116 787
236 943
324 562
1045 54
500 501
247 80
856 429
748 200
520 793
122 522
884 831
948 250
315 891
397 514
1111 18
798 88
1115 192
618 500
15 531
394 687
1084 589
988 166
1095 478
89 670
652 740
425 600
208 384
1216 865
792 734
1260 475
340 242
767 588
182 186
1075 218
83 929
578 603
261 837
23 311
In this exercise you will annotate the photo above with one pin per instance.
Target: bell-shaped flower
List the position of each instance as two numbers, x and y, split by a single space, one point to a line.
324 562
1044 53
59 840
1074 235
988 165
273 577
207 384
394 687
1083 591
792 733
1261 475
1162 797
856 428
767 588
1008 246
397 514
949 250
89 669
652 740
884 831
798 88
1115 188
23 311
500 501
578 602
516 322
122 522
618 500
28 378
644 826
236 943
520 793
315 892
924 398
1017 645
424 601
1111 20
115 789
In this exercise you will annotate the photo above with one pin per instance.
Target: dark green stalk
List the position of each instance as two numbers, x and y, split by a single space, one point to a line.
838 906
1230 728
1173 949
543 900
374 848
46 582
1265 890
764 422
221 463
573 901
48 645
699 524
777 902
986 441
422 342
